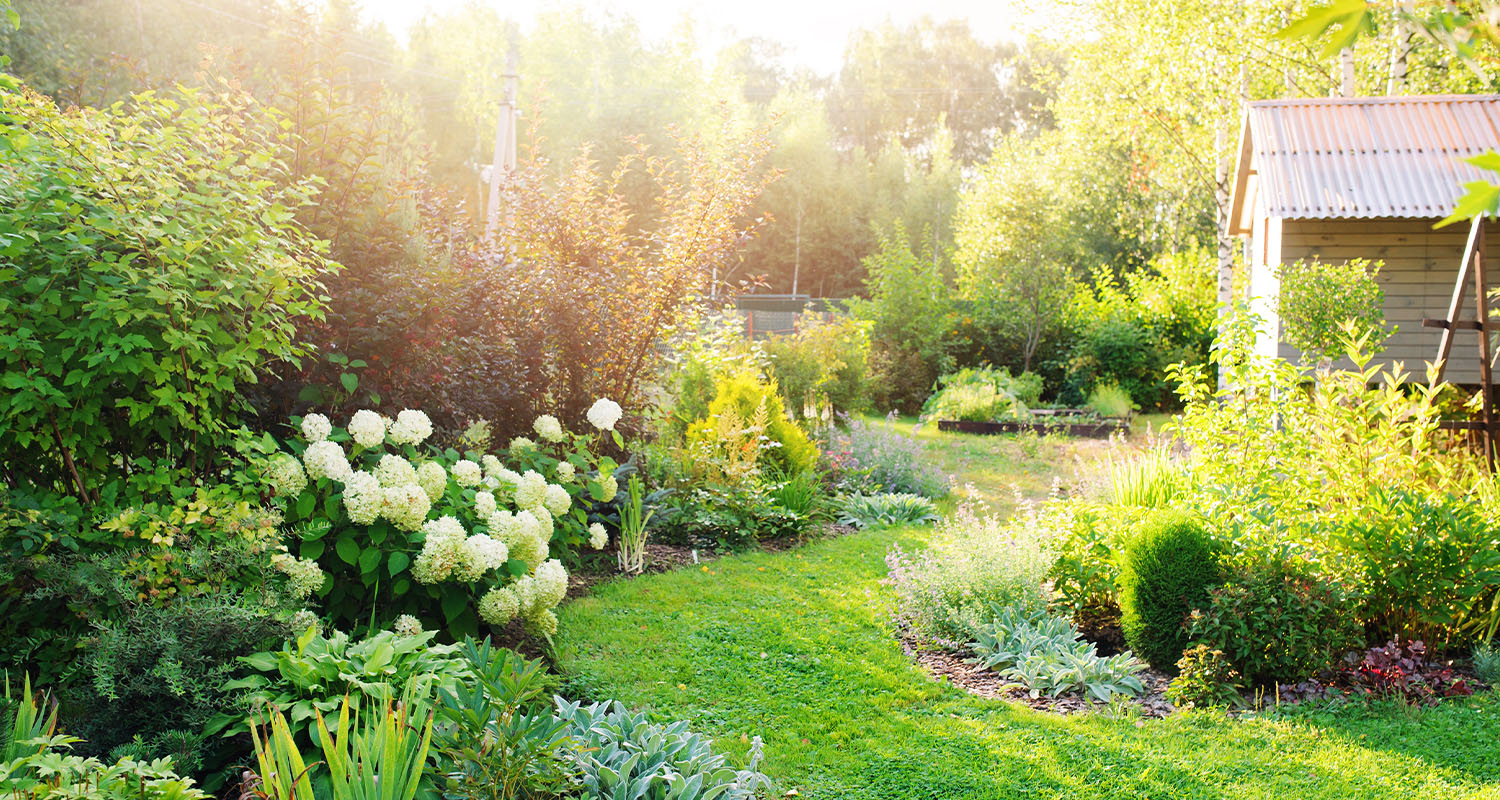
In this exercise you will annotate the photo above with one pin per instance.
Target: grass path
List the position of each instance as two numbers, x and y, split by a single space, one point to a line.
793 647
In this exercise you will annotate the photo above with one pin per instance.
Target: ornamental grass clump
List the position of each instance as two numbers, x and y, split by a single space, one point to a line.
450 540
974 563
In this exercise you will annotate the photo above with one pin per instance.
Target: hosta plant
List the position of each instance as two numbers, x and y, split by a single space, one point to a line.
311 675
622 755
865 511
1047 655
450 538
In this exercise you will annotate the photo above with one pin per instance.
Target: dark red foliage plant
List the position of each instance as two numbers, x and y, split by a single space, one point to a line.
1402 669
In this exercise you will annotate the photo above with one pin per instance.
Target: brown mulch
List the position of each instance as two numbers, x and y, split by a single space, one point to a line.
945 665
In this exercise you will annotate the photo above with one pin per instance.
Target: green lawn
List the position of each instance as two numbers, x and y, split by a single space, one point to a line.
794 647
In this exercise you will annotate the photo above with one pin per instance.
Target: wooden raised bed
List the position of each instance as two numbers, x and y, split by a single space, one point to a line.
1094 430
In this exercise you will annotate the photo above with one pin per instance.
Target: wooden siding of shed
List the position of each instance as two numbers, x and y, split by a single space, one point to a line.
1419 265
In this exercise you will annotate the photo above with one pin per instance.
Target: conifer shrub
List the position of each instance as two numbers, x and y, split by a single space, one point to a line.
1166 571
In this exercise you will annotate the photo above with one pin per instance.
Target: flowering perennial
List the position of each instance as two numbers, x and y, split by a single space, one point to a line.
604 414
367 428
325 459
284 474
467 473
502 522
316 427
410 427
548 428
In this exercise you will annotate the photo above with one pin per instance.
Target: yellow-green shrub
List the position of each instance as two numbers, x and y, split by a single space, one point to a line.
743 393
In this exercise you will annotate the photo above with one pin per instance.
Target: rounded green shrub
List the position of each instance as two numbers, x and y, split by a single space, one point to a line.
1166 571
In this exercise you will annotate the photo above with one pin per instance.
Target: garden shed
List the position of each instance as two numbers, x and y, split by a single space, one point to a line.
1366 177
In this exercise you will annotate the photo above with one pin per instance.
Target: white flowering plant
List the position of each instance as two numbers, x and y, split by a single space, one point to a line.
439 538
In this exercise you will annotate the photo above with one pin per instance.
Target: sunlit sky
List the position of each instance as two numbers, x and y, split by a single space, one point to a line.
814 32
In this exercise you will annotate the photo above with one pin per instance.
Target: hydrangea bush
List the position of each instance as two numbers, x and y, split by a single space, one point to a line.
441 538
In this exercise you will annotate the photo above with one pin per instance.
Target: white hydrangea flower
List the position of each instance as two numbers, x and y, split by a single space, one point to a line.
598 537
525 591
362 497
566 471
367 428
504 526
326 459
529 546
557 500
303 575
433 479
467 473
486 553
393 470
498 606
545 523
411 427
284 474
551 583
405 506
547 427
610 487
492 466
604 414
484 504
407 625
521 444
316 427
541 622
443 550
531 490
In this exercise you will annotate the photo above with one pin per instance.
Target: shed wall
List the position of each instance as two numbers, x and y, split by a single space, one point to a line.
1419 267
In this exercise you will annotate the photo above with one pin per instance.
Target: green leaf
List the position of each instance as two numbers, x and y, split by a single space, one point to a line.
313 549
369 560
348 549
397 562
454 605
263 662
349 380
1342 21
306 502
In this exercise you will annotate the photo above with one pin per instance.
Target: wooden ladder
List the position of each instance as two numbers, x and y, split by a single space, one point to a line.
1471 268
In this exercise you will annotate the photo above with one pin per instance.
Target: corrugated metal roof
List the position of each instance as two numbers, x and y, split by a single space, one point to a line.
1368 156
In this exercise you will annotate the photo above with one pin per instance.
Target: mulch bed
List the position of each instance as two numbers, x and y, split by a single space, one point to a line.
945 665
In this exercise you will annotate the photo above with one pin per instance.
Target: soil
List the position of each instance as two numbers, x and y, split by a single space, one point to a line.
946 665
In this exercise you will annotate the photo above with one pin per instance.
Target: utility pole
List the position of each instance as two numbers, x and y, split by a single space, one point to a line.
797 249
504 162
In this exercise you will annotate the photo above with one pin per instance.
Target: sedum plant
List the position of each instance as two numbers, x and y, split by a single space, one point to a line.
1047 655
454 539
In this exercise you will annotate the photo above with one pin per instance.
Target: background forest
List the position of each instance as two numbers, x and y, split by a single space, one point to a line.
1049 205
